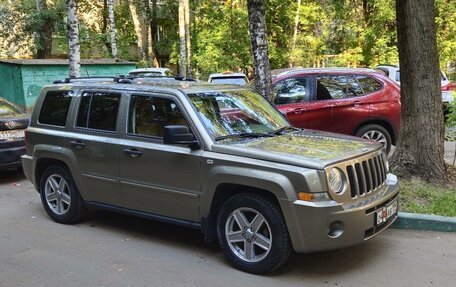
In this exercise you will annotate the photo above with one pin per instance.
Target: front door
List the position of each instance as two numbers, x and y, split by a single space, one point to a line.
158 178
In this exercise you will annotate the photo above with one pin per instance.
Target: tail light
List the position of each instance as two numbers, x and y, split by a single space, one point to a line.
25 140
448 87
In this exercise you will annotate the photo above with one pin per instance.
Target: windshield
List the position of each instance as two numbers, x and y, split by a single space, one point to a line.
237 112
229 80
7 109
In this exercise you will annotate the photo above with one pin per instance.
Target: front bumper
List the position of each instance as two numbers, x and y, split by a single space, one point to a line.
309 223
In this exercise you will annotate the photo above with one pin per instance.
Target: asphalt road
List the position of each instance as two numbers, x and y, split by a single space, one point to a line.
108 249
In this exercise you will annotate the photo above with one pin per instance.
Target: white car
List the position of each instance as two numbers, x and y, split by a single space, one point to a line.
393 72
151 72
228 78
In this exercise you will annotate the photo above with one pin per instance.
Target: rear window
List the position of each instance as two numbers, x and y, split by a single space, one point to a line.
98 110
8 109
55 107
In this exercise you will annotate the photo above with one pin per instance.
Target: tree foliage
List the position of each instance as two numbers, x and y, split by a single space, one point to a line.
329 32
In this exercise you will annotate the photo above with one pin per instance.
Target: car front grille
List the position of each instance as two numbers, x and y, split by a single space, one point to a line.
367 175
364 175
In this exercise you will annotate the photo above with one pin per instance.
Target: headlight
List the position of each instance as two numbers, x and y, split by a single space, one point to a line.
336 180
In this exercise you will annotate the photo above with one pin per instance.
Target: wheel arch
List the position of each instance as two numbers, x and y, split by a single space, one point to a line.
383 122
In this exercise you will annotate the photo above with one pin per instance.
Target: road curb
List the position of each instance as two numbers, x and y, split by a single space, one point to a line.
425 222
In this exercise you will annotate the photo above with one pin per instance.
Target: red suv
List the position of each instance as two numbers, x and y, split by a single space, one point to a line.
360 102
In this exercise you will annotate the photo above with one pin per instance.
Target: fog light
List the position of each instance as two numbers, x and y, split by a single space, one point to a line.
336 229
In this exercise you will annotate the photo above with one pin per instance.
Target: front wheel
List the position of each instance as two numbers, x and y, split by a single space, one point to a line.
376 133
252 233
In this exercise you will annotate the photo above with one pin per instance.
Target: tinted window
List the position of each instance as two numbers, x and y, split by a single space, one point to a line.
369 84
55 107
229 80
331 87
149 115
292 90
98 111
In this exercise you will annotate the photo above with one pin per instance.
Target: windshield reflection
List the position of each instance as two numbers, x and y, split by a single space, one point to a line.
237 112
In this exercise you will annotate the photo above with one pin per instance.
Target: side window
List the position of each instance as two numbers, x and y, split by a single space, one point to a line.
98 110
148 115
353 87
292 90
55 107
369 84
331 87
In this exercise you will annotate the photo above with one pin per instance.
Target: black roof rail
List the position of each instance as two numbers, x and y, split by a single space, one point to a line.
388 65
117 79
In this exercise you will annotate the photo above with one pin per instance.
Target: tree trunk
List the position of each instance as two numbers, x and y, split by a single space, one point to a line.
259 40
149 36
44 37
420 149
187 37
104 27
295 32
112 29
74 54
182 42
138 28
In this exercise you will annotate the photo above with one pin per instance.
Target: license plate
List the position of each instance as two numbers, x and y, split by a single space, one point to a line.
9 134
383 214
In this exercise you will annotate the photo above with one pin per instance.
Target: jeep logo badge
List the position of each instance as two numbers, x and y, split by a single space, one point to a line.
12 124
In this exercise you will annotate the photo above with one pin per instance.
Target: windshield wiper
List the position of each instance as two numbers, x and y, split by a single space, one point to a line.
244 135
284 129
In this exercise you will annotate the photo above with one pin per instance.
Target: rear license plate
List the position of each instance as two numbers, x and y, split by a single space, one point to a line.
383 214
11 134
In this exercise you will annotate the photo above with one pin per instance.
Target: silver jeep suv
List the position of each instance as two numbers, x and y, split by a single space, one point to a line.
220 159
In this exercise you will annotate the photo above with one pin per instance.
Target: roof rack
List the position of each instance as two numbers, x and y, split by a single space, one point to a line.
121 79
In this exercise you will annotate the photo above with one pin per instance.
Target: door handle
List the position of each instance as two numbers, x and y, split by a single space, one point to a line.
78 144
134 153
357 103
298 111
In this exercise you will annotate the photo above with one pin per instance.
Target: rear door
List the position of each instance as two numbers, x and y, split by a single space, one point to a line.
94 141
292 97
158 178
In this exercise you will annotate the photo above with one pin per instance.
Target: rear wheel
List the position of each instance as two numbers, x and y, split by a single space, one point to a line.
252 233
376 133
60 196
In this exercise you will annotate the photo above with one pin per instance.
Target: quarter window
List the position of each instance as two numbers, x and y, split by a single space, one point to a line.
98 110
149 115
55 107
369 84
292 90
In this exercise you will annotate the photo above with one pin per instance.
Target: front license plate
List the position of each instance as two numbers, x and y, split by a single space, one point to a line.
383 214
11 134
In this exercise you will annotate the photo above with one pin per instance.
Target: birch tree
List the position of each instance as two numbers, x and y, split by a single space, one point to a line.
187 36
182 42
112 28
259 43
74 54
420 149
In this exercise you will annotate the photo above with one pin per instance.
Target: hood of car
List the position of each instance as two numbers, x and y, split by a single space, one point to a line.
308 148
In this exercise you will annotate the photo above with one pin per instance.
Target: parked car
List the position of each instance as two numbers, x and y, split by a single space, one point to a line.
217 158
228 78
13 121
393 72
358 102
151 72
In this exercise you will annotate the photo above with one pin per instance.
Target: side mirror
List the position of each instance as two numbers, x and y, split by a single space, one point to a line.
179 135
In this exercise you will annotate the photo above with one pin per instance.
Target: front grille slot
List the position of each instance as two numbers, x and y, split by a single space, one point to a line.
366 176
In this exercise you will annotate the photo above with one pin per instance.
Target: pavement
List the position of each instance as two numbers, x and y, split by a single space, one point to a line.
108 249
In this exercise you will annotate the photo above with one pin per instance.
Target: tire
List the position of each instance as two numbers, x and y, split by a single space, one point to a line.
376 133
236 220
60 196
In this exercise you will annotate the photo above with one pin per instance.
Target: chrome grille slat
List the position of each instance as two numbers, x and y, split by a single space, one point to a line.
374 172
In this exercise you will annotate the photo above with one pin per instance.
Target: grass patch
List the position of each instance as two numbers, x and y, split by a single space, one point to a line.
425 198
